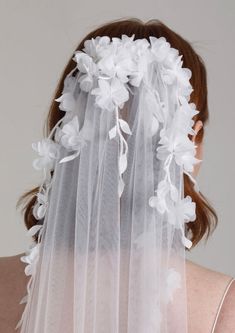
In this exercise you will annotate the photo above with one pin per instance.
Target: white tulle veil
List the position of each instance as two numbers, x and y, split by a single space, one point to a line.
110 256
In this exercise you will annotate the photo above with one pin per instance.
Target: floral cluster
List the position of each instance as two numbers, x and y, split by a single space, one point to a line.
106 69
109 66
176 147
117 62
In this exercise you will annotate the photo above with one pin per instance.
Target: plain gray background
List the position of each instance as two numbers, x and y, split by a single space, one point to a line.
38 37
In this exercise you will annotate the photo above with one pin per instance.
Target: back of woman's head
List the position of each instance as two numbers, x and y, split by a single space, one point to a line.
206 216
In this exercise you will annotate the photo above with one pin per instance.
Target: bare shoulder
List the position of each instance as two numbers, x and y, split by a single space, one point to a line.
226 319
205 289
13 283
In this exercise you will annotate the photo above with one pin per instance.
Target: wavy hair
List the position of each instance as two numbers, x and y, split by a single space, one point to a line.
206 217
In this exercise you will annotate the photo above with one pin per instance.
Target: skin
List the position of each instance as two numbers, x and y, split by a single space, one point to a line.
199 150
204 298
205 289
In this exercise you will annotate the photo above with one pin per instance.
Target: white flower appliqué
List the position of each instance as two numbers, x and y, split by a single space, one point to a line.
183 118
164 190
181 147
87 66
110 94
160 48
73 138
95 46
71 135
182 211
48 151
117 63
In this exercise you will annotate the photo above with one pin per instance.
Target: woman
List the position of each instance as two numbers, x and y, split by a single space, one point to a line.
210 294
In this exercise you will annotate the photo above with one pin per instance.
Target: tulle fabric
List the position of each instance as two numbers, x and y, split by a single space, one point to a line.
110 264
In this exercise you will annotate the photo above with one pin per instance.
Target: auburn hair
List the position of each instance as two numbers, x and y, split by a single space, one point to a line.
206 217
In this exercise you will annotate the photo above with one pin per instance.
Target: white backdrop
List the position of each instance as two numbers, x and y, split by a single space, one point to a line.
38 37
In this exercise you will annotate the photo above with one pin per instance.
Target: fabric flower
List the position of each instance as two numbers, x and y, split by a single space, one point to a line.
142 57
87 66
160 48
119 53
184 154
172 66
94 45
71 137
184 86
110 94
48 151
160 200
180 146
182 212
125 41
183 118
174 70
118 63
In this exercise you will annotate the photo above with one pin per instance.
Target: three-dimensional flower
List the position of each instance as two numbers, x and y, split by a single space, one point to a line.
110 93
118 63
164 192
95 46
86 65
48 151
160 48
71 135
180 146
181 212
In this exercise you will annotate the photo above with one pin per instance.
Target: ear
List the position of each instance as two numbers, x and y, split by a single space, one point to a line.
199 150
197 126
